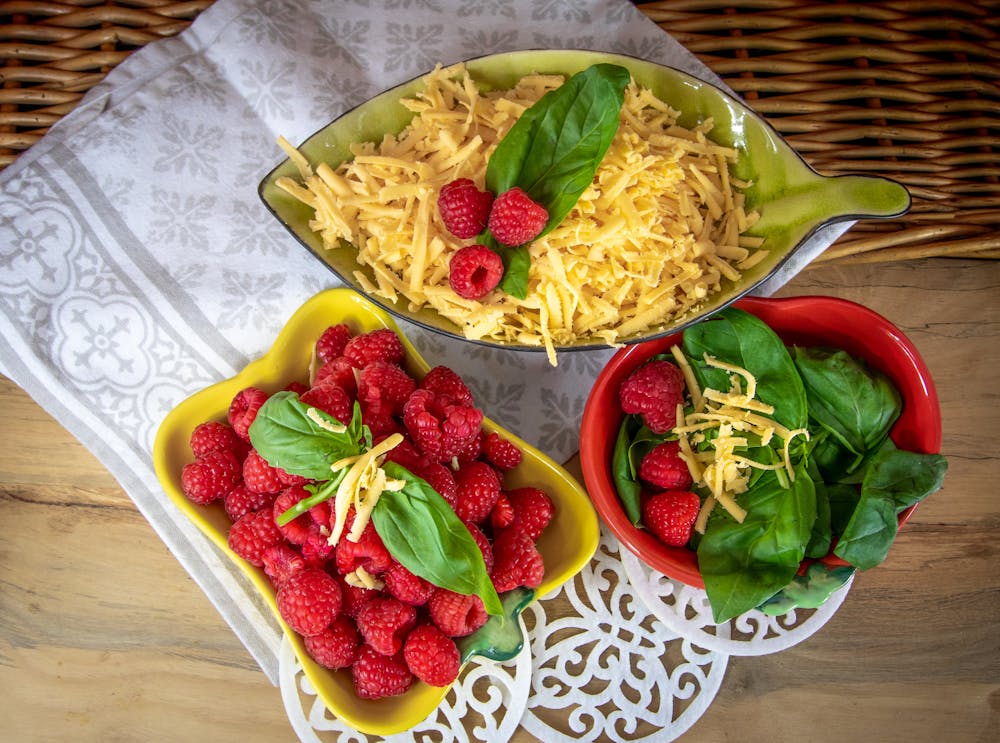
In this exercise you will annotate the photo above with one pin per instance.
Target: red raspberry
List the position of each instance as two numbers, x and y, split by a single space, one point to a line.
298 529
405 454
340 372
240 501
456 614
297 387
479 488
331 399
501 453
448 387
332 341
378 345
377 676
484 545
215 436
281 562
251 535
243 409
411 589
210 477
474 271
516 219
653 392
385 384
517 562
502 514
670 515
316 549
335 647
440 434
380 422
664 469
464 209
441 479
533 510
259 476
309 601
368 552
384 623
432 656
354 597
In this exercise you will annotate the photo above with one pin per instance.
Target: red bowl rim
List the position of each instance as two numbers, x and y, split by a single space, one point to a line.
813 319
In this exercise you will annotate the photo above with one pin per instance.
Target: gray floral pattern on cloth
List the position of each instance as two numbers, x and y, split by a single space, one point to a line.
138 265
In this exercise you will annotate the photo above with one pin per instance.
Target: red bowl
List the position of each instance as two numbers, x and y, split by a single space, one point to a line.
807 320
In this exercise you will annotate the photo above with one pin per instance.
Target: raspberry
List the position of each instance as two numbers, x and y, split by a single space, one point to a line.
251 535
380 422
484 545
386 384
474 271
332 341
533 510
515 219
210 477
281 562
446 385
407 455
456 614
297 387
335 647
502 514
653 392
316 549
377 676
670 515
411 589
259 476
368 552
464 209
517 562
384 623
501 453
441 479
354 597
478 490
441 434
432 656
340 372
216 436
663 467
378 345
243 409
309 601
331 399
240 501
297 530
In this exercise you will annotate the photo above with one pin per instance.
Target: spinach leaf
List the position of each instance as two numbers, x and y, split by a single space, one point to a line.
623 473
843 499
420 529
287 437
894 481
822 534
745 564
737 337
516 262
857 404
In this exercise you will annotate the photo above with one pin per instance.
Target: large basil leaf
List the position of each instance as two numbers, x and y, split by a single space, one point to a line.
737 337
894 481
285 436
745 564
857 404
420 529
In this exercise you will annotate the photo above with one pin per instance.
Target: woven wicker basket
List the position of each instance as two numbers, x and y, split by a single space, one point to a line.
908 89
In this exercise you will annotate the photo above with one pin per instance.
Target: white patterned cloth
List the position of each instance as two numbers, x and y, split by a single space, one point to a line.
138 265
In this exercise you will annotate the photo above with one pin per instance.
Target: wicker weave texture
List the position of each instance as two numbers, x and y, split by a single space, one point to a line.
908 89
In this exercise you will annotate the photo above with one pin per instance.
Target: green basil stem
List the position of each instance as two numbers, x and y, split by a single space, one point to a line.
322 493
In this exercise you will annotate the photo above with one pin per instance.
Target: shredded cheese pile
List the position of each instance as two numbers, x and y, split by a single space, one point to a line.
651 238
722 469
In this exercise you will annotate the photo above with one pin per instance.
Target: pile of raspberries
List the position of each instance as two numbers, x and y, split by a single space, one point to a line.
386 636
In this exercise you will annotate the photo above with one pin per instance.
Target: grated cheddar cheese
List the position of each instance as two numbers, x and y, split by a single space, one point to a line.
653 236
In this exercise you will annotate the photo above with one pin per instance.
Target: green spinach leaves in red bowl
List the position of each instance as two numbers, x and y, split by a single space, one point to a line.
859 412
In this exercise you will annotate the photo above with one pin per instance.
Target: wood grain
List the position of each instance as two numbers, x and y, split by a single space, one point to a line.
104 637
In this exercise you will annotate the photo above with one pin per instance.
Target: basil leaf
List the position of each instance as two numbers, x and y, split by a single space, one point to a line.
420 529
894 481
737 337
745 564
857 404
285 436
516 262
629 490
555 147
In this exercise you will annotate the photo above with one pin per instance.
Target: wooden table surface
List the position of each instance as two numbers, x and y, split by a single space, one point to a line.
104 637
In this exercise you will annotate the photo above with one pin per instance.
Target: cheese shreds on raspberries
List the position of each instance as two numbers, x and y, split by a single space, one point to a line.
723 467
653 237
361 487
